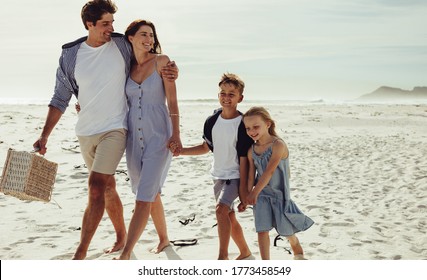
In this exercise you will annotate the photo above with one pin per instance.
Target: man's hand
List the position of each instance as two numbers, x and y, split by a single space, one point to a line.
40 145
170 71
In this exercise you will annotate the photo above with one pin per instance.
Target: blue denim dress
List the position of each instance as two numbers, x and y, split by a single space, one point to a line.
274 207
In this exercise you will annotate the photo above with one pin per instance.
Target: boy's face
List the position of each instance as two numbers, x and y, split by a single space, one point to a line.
229 96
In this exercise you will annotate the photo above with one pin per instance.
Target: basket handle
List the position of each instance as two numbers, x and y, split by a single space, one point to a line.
35 150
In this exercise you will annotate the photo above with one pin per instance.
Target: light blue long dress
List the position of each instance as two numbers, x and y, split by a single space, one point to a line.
148 158
274 207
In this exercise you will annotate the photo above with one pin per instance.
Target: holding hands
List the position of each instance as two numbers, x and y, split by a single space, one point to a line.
175 146
252 197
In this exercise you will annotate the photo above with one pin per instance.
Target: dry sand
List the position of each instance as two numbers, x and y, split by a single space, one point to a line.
358 170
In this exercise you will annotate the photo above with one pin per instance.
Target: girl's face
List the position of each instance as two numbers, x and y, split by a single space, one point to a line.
143 38
256 127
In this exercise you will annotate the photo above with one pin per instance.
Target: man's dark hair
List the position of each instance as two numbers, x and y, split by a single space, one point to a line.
93 10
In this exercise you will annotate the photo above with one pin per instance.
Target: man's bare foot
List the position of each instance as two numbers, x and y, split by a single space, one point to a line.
116 247
79 256
160 247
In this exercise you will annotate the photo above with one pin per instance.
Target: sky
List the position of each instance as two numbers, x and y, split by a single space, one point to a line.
282 49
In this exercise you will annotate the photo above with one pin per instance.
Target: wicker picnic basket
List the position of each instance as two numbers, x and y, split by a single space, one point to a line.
28 176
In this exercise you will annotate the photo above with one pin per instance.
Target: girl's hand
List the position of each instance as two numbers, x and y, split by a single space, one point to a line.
252 198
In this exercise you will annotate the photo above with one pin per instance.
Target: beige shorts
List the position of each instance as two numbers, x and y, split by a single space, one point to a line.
102 152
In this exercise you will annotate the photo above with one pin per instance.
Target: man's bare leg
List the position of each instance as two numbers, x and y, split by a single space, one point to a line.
159 220
238 237
93 213
114 208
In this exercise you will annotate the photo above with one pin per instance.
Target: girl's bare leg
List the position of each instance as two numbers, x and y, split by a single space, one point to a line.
264 245
295 245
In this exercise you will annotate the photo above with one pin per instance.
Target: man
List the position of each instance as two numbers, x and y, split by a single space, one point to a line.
94 69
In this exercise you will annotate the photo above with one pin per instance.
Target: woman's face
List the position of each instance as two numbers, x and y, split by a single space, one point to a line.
143 38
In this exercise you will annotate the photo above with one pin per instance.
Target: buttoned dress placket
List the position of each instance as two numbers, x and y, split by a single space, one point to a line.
140 132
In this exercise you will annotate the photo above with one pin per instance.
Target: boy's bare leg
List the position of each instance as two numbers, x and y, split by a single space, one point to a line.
93 213
159 220
264 245
224 230
114 208
136 227
238 237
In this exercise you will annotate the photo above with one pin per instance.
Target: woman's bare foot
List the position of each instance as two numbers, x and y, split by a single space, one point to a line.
160 247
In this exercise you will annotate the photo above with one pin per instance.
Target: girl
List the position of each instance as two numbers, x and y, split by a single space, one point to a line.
269 190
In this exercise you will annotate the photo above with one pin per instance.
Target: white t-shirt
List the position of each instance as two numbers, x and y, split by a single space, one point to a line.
224 137
100 75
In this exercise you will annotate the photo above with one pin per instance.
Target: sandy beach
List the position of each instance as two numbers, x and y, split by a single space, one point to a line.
358 170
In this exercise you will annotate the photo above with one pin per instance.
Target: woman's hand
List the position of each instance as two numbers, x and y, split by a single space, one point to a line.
175 146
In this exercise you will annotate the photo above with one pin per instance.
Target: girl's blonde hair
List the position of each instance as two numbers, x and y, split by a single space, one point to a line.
263 113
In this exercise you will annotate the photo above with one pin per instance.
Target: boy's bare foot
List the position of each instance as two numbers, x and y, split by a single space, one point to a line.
245 257
160 247
122 257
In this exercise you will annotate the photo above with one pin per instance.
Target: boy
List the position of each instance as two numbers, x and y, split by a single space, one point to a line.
225 135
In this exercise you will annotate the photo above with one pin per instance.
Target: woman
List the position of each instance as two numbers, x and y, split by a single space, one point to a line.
152 127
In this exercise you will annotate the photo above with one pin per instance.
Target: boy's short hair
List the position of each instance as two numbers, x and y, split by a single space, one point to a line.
229 78
93 10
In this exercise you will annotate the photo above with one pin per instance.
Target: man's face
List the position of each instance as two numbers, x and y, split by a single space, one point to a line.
101 31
